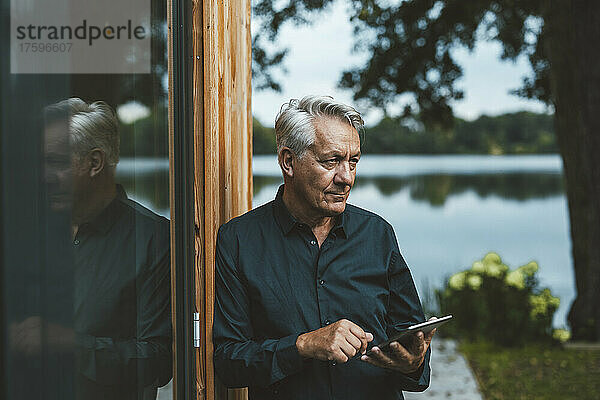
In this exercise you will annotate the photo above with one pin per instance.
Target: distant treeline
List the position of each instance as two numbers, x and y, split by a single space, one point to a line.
147 137
436 189
514 133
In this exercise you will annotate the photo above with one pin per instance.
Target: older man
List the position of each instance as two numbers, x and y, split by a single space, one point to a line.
122 323
305 282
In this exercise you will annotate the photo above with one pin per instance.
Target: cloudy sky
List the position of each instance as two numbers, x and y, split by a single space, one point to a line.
319 53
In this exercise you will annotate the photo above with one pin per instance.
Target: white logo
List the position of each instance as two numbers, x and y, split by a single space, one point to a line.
80 36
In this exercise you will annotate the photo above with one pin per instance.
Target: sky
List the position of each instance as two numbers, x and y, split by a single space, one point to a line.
319 53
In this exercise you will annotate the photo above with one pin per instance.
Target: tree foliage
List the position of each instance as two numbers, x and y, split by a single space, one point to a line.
409 46
263 138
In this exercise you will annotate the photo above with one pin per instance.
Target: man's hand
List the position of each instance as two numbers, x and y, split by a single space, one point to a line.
404 359
337 342
26 336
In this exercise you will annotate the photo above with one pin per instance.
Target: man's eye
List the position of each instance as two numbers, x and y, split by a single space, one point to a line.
331 162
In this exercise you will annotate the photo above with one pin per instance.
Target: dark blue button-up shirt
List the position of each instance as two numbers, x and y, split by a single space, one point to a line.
273 283
122 302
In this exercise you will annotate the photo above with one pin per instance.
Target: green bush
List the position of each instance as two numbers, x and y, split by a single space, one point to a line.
491 302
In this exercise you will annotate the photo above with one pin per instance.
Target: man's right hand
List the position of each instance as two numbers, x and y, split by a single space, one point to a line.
337 342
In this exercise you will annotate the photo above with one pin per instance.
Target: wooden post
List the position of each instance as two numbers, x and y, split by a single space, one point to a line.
222 149
220 90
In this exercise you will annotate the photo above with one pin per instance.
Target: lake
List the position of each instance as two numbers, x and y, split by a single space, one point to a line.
447 211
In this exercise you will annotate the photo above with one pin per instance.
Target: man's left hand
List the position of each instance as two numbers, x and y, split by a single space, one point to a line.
399 358
26 336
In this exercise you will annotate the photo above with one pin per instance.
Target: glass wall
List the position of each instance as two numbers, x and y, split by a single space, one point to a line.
85 278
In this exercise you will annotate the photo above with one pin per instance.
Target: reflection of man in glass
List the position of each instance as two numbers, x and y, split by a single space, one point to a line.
122 275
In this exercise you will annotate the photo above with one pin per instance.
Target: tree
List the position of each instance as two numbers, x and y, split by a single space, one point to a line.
410 47
263 138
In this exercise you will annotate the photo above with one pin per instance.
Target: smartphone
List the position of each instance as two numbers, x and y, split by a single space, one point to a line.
403 337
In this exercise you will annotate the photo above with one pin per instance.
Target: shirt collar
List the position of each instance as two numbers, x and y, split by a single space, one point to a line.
340 224
283 217
287 222
107 217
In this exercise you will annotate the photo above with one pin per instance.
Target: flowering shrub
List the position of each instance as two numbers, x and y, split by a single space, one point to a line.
491 302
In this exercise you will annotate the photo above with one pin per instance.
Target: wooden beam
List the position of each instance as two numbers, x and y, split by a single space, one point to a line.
199 196
223 150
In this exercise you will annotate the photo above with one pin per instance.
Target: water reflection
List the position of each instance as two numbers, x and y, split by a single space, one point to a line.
259 182
436 189
147 182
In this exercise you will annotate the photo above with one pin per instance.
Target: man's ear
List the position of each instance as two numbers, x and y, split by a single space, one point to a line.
97 162
285 158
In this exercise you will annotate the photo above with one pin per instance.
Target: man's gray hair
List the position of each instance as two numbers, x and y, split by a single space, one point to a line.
294 125
91 126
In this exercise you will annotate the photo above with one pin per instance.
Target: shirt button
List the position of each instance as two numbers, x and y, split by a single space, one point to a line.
76 242
321 282
313 242
334 363
327 322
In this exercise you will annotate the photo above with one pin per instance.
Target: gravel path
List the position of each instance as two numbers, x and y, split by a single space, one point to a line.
451 377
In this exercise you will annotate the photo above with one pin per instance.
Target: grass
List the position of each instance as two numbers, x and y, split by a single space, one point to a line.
534 372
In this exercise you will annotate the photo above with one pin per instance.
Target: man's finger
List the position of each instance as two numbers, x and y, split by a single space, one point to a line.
341 356
429 336
338 356
349 350
413 360
359 333
378 358
400 352
420 347
372 360
365 343
355 342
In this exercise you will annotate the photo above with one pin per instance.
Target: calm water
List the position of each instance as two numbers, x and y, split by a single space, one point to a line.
447 211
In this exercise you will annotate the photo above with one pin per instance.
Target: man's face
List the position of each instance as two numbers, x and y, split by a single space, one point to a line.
324 175
58 166
66 180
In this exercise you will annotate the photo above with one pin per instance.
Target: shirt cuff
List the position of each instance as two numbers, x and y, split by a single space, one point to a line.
289 361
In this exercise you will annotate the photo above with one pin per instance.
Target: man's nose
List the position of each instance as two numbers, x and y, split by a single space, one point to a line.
343 175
